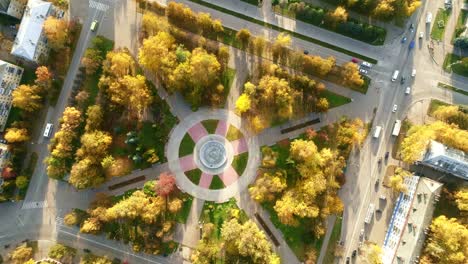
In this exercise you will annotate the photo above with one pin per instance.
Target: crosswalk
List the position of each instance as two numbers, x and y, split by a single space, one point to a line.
59 220
98 5
34 205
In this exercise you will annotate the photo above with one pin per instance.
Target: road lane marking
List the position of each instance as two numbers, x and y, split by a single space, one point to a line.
34 205
98 5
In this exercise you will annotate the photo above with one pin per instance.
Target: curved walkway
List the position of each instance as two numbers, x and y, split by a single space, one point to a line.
191 124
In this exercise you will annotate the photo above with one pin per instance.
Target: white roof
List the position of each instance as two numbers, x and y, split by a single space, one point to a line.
447 159
30 29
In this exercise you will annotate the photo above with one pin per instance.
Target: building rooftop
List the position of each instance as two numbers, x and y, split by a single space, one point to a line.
30 30
447 159
412 214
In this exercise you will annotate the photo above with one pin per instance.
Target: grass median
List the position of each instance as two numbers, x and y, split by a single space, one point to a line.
280 29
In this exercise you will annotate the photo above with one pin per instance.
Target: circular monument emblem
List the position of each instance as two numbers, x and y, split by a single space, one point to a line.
213 154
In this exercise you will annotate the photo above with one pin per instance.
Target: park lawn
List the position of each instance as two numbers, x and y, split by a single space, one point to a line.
183 214
233 133
299 238
226 80
460 70
332 243
218 213
239 163
434 104
194 175
450 58
216 183
437 31
186 146
452 88
210 125
334 99
460 27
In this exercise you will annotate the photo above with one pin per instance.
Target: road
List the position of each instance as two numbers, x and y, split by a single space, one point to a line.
120 23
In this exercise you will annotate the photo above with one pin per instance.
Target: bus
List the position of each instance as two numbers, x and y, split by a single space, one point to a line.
94 25
396 128
395 75
377 131
369 214
48 130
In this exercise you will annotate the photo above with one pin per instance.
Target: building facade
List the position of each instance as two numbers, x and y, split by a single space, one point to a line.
30 42
447 160
10 78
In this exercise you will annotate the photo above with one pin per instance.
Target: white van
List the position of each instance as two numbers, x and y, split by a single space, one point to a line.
377 131
395 75
48 130
413 73
429 17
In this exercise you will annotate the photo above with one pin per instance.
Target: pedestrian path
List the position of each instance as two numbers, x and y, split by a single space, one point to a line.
34 205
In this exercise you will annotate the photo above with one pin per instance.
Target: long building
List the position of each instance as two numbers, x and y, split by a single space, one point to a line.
10 77
410 219
31 43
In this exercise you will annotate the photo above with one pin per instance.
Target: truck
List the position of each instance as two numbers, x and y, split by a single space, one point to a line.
395 75
377 131
369 214
396 128
428 17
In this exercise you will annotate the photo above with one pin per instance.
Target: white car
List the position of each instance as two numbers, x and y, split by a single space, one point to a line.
363 72
366 64
413 73
421 35
395 107
408 90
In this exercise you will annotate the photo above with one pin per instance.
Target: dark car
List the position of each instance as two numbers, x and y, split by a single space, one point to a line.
411 45
354 253
403 79
386 155
306 52
347 260
403 40
411 27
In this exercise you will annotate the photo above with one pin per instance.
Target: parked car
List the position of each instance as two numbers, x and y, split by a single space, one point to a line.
366 64
421 35
411 27
402 80
403 40
347 260
361 235
363 72
306 52
355 60
394 109
411 45
413 73
408 90
354 253
387 154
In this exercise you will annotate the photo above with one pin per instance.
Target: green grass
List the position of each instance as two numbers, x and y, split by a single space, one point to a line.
233 133
217 213
332 243
252 2
334 99
226 79
240 162
210 125
460 27
437 32
280 29
8 20
446 205
194 175
434 104
450 58
183 214
452 88
216 183
14 115
186 146
146 136
299 238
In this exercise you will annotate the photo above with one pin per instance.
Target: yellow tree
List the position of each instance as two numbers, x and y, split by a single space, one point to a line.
397 180
204 68
91 60
414 145
150 23
43 77
86 173
119 63
259 44
21 254
157 55
267 186
323 105
373 254
94 117
94 145
56 31
448 241
133 93
384 9
279 48
243 36
243 103
16 135
27 98
337 16
351 76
